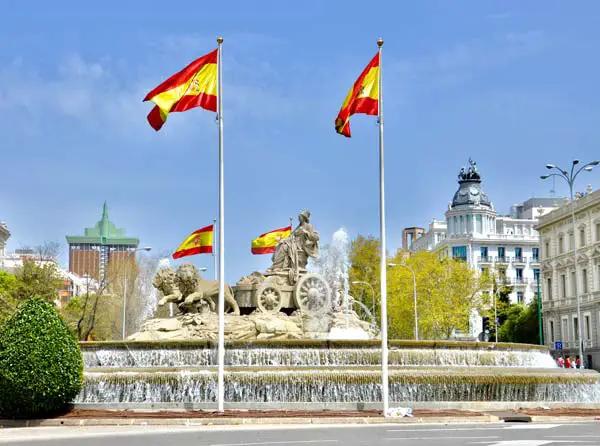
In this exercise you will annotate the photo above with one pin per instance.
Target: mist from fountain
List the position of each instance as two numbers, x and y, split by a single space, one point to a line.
148 266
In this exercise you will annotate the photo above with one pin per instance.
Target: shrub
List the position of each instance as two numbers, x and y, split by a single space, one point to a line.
41 367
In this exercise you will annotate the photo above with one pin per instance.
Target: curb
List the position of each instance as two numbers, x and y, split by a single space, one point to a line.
71 422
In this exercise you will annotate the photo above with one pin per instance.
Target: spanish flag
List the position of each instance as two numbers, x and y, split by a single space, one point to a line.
194 86
363 97
198 242
266 243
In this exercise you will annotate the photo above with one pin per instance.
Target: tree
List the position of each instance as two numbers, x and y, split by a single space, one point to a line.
521 324
8 303
48 251
41 368
37 279
447 290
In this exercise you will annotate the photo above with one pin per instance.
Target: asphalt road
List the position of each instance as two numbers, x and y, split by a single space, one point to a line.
500 434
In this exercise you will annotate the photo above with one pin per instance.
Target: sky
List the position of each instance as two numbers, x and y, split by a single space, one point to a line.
512 84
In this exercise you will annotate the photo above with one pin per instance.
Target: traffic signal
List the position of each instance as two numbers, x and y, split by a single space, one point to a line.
485 324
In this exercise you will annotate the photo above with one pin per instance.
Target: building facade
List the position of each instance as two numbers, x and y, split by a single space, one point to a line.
100 247
4 235
563 283
506 246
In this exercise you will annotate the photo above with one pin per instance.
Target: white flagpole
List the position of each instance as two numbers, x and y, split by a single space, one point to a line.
214 254
221 341
383 279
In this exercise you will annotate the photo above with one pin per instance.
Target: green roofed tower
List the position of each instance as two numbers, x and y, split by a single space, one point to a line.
93 252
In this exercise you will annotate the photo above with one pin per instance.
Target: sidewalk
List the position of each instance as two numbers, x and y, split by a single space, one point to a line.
79 417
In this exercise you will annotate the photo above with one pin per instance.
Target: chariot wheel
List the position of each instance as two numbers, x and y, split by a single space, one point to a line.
268 298
312 294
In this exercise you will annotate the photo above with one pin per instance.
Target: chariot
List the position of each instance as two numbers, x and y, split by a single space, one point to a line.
285 291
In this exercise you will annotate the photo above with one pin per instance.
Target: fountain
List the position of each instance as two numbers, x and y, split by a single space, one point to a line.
283 349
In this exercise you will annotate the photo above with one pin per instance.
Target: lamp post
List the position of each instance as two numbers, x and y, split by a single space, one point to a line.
145 248
414 295
360 282
570 177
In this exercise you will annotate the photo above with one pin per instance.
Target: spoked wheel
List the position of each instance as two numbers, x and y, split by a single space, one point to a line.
268 298
312 294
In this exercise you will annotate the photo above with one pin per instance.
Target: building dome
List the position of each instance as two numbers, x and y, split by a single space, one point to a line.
470 191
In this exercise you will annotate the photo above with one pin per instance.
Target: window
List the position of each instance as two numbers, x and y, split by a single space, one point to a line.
575 328
573 284
502 274
571 241
479 224
501 253
563 286
549 288
561 244
586 328
551 331
584 287
469 223
598 232
519 272
564 329
518 254
582 237
535 254
536 274
484 252
520 297
547 250
459 252
462 226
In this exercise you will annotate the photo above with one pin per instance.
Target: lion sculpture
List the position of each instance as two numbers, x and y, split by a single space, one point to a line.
188 290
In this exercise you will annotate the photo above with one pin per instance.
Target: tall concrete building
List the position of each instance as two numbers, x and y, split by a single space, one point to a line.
100 247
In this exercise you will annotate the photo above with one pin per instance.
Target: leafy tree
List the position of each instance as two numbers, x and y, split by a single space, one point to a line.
521 324
37 279
41 368
101 320
447 290
8 303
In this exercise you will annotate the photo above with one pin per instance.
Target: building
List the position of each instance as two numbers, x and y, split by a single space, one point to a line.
99 248
561 284
507 246
4 235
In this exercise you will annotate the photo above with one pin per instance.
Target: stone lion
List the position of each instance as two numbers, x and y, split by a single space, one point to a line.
194 289
165 281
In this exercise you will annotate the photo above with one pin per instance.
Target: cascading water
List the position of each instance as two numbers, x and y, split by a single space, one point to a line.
143 286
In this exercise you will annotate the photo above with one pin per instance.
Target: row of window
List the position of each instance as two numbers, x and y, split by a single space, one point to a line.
566 332
581 243
572 284
518 273
460 252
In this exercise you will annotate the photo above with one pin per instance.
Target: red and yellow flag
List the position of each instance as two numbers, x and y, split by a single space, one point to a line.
198 242
363 97
266 243
194 86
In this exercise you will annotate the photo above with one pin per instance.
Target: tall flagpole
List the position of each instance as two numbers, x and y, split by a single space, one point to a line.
383 265
214 254
221 341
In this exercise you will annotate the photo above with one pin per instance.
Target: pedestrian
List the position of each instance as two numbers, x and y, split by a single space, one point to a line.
567 362
560 361
577 362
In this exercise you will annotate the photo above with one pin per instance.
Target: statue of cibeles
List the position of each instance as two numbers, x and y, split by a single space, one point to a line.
294 251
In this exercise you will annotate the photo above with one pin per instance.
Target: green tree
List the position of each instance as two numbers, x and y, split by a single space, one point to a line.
8 303
521 324
365 267
41 368
37 279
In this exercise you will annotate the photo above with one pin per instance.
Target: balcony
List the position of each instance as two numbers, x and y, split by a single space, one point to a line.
502 259
520 281
520 260
486 259
535 260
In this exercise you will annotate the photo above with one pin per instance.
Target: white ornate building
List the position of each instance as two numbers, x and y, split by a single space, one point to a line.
559 300
507 246
4 235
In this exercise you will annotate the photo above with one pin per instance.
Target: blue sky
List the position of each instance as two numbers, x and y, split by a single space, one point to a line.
513 84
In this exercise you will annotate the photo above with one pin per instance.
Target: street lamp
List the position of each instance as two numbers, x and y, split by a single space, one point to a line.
360 282
569 177
414 295
145 248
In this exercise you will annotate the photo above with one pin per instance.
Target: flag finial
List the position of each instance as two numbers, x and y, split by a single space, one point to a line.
380 42
219 40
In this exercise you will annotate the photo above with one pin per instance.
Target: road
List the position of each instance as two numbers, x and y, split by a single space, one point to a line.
496 434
